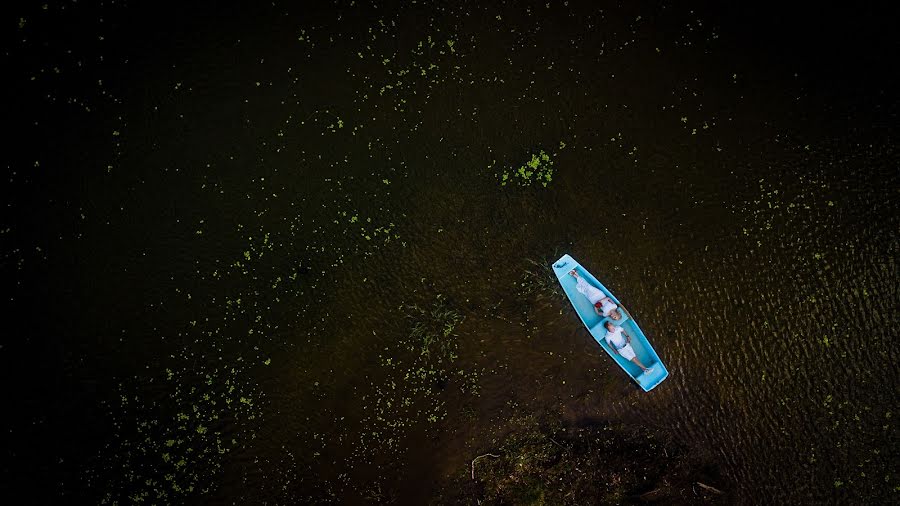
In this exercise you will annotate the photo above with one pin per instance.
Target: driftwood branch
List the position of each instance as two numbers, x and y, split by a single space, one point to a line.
476 459
711 489
649 496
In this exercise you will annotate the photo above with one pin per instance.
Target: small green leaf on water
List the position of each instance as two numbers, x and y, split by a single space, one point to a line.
268 361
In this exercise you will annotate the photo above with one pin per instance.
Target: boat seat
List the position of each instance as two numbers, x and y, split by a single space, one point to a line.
600 327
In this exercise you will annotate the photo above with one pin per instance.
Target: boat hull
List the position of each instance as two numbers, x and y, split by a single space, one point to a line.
596 326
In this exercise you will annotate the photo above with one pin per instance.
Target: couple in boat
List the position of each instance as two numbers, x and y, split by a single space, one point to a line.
605 307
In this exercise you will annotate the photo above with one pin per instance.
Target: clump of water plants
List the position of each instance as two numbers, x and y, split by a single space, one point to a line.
540 282
537 170
432 329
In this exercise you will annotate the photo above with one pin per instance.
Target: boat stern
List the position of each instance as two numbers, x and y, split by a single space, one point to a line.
649 380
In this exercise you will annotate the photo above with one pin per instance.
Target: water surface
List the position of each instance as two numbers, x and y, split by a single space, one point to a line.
221 227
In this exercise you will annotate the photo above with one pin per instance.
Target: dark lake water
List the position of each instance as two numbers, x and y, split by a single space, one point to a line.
223 224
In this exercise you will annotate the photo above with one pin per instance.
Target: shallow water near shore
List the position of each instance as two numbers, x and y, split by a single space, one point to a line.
278 255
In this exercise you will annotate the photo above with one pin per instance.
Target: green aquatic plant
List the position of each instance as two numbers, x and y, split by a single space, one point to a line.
539 281
433 328
537 170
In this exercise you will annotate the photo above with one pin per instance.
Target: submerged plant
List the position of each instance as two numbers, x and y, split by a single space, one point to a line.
539 281
433 329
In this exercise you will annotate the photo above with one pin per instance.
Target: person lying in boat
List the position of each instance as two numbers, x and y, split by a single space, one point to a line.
603 305
622 345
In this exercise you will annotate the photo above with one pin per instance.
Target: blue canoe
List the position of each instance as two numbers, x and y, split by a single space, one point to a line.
596 326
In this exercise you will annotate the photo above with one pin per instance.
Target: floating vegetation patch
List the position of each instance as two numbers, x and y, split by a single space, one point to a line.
165 450
536 171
